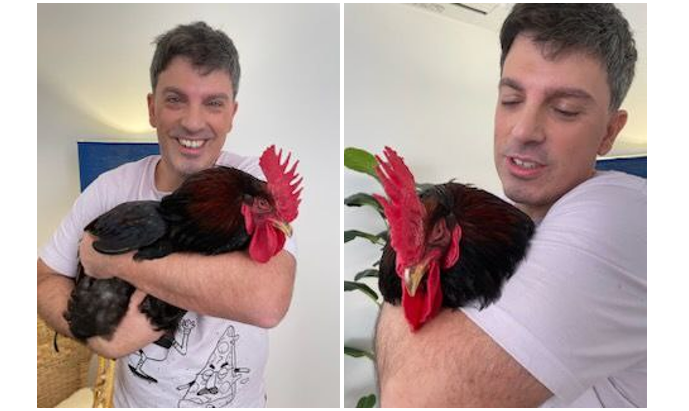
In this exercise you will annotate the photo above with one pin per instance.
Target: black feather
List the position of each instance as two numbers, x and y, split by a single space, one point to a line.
202 216
129 226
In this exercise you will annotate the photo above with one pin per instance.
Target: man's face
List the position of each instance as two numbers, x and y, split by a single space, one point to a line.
551 120
192 114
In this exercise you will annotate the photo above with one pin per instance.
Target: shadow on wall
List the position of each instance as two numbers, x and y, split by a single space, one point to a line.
61 123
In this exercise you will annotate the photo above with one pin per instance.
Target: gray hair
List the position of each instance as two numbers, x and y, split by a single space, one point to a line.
207 49
598 29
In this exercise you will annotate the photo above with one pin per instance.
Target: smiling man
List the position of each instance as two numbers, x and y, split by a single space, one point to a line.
192 110
220 349
570 327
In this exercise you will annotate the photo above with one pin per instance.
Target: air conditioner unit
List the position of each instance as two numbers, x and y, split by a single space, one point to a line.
486 15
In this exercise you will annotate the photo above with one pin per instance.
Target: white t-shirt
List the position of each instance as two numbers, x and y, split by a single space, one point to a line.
574 313
211 361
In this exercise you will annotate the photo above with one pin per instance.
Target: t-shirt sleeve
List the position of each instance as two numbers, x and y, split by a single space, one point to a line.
60 253
575 310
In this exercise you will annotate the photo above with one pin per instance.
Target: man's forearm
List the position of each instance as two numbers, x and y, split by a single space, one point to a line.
53 294
228 286
449 362
132 333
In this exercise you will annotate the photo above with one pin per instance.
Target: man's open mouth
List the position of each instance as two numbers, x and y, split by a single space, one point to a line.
191 143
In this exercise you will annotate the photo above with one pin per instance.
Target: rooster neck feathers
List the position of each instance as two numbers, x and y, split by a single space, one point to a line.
209 203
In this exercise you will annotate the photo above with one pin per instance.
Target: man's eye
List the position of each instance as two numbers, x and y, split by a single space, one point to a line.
508 103
566 113
216 104
173 99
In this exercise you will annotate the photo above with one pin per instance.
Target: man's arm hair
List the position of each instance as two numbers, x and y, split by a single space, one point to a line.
449 362
230 285
133 333
53 293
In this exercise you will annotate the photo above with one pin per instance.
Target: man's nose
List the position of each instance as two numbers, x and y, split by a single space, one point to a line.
193 119
529 125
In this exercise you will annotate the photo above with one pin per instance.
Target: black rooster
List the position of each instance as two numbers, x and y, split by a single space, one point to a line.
451 246
214 211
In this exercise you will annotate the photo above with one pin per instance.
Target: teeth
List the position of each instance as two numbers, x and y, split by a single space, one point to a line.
191 143
524 164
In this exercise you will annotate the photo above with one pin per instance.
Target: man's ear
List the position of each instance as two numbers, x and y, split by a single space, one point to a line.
234 112
150 99
615 125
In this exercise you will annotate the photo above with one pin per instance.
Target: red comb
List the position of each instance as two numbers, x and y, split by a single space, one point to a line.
403 209
281 183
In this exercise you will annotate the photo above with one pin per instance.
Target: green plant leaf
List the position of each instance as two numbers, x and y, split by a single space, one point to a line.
367 401
353 285
363 199
421 187
360 160
384 235
370 273
357 353
349 235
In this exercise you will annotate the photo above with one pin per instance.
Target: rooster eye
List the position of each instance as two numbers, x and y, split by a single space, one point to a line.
439 232
262 204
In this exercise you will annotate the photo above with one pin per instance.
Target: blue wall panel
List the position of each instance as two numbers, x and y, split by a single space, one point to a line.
631 165
96 158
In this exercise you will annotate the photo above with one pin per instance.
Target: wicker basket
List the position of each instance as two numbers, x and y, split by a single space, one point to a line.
61 374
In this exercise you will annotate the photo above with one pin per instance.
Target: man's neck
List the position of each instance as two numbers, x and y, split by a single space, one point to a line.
166 180
536 213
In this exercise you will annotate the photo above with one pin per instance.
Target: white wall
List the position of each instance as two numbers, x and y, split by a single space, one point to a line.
426 85
407 84
92 83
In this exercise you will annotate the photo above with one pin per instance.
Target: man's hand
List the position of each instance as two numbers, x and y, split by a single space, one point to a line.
449 362
98 265
133 333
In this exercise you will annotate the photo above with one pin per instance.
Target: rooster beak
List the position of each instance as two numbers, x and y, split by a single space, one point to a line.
413 277
282 226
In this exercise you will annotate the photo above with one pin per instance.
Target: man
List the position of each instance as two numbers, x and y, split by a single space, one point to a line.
570 328
220 348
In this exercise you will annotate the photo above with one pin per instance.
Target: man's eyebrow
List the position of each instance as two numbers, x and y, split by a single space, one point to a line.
570 92
222 96
172 89
511 83
557 92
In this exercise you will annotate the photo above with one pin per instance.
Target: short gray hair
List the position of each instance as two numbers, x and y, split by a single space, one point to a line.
206 49
598 29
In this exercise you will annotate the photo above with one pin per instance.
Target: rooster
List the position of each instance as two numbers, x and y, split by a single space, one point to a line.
214 211
451 246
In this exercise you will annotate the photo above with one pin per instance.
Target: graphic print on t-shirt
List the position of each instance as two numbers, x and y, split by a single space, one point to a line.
215 385
159 350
